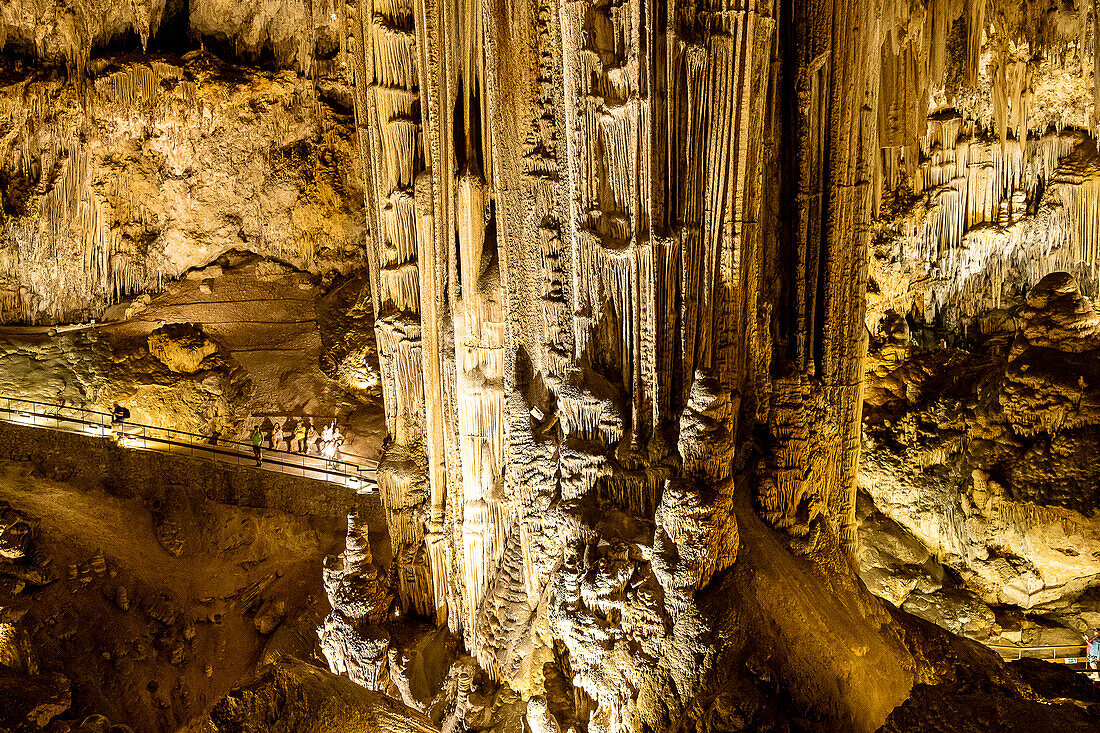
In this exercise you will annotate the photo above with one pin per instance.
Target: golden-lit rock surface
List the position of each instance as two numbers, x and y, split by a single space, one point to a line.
153 599
159 166
726 365
985 455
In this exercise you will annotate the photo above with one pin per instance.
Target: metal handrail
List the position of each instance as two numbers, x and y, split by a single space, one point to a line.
1035 648
1019 650
41 414
108 416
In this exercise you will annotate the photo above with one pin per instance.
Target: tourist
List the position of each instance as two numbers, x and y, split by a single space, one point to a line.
1092 653
337 440
328 450
118 415
311 438
300 435
277 437
257 442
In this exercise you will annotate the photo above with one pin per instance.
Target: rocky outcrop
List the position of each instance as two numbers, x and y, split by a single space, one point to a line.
985 459
177 162
292 696
181 347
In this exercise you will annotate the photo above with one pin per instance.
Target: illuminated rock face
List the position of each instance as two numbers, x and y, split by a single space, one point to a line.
299 34
587 298
979 394
986 458
617 260
154 168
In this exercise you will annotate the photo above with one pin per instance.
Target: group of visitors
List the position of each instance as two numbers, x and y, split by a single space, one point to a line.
1092 654
303 439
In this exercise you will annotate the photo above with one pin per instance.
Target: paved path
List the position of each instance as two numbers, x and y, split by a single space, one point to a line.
351 471
1073 655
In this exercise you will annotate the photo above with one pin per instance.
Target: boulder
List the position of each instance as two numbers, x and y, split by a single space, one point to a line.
292 696
181 347
36 699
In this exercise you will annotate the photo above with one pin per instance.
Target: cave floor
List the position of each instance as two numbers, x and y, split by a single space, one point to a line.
189 629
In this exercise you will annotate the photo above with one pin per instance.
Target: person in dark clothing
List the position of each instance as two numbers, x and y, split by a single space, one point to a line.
311 439
118 416
257 444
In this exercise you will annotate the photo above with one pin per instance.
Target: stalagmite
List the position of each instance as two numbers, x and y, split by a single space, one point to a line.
591 245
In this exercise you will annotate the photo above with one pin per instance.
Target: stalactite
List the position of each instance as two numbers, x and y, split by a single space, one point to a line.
1095 126
584 306
386 108
975 28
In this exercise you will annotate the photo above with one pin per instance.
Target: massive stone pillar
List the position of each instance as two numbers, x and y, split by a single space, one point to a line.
387 110
635 275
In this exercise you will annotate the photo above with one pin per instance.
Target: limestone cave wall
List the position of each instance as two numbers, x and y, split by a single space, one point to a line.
653 285
155 165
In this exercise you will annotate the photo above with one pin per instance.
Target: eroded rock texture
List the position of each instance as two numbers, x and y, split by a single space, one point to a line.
160 166
987 458
619 260
980 379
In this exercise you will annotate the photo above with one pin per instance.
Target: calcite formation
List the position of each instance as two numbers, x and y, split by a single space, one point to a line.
617 262
588 299
985 458
156 167
619 259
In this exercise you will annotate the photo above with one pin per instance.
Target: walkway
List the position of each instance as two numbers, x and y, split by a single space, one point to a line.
353 472
1074 655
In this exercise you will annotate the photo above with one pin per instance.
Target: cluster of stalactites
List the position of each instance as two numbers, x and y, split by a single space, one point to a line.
294 31
62 254
997 220
1005 44
972 183
68 31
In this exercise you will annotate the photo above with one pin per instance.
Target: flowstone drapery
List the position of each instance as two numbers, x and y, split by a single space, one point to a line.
620 258
581 291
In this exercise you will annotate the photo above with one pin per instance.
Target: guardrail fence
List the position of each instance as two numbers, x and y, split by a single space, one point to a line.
349 470
1071 654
